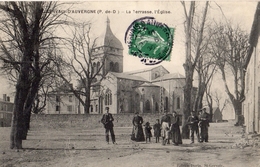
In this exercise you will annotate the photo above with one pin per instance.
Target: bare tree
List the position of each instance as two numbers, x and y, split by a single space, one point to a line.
205 68
191 57
220 102
26 29
229 48
209 98
85 63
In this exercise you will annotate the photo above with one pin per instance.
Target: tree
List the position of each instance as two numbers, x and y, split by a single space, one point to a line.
26 29
191 57
217 97
84 62
209 98
205 68
229 48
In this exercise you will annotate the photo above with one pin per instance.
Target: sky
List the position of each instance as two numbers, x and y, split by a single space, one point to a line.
239 12
123 13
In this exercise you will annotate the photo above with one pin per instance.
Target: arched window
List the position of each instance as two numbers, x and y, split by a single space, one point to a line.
166 103
156 107
156 75
111 66
178 105
98 66
106 99
116 68
110 98
94 68
147 105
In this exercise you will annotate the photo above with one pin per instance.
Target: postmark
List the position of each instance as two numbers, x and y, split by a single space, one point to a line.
150 40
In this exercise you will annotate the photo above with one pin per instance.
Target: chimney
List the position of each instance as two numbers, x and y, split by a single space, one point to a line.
4 97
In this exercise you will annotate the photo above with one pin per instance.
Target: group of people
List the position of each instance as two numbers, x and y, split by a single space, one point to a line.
168 128
198 126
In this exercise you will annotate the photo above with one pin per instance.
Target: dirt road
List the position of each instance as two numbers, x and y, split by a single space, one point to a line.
74 147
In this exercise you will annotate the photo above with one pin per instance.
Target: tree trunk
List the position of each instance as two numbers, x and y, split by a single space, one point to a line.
29 101
87 102
210 113
187 108
18 125
239 118
199 98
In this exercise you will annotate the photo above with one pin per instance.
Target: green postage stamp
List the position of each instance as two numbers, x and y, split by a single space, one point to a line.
149 40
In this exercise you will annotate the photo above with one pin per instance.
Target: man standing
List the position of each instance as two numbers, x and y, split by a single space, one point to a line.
193 121
175 129
204 124
165 122
107 121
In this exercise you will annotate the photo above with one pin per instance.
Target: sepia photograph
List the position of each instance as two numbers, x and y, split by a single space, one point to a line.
121 83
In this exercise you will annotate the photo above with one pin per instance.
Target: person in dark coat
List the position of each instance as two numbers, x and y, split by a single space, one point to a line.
107 121
204 125
137 134
193 121
157 131
148 133
175 129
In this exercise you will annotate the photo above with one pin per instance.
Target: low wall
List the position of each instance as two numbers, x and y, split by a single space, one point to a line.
90 121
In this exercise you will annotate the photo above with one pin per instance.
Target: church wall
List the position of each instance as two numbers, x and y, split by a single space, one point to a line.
149 99
109 94
115 60
127 96
157 72
173 93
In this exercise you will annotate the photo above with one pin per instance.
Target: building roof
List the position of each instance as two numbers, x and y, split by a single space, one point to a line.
127 76
146 84
107 38
145 70
169 76
254 34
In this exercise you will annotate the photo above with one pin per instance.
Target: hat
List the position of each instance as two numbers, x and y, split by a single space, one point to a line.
136 112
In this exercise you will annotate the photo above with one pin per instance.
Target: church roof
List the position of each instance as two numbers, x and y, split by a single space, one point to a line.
148 85
107 38
169 76
127 76
146 69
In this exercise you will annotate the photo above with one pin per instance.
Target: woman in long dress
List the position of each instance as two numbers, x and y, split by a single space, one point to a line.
175 129
137 134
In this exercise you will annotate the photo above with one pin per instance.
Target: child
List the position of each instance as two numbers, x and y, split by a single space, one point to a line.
157 130
147 130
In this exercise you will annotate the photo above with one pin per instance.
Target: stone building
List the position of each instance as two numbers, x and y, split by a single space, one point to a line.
150 90
62 101
6 110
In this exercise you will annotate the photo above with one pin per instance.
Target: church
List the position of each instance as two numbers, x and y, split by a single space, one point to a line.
151 90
